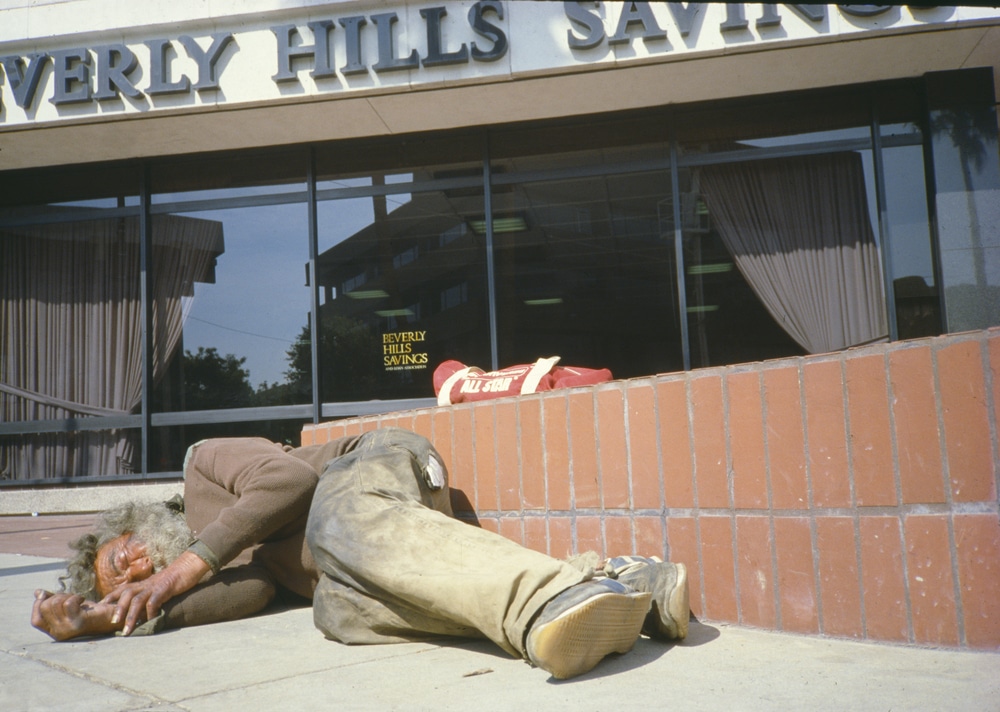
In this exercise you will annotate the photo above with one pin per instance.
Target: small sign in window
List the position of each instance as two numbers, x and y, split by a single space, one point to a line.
401 350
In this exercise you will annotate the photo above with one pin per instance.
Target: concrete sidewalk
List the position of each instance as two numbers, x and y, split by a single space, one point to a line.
279 661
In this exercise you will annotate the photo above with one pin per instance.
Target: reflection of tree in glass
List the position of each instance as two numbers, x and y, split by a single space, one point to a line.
212 381
970 131
350 359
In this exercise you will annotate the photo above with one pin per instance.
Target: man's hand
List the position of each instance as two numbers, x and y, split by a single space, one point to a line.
139 601
66 615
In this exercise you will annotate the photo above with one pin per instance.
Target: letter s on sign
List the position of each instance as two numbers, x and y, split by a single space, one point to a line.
592 23
490 32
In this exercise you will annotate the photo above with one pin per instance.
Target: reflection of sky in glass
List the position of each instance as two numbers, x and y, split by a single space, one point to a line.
907 210
340 219
259 302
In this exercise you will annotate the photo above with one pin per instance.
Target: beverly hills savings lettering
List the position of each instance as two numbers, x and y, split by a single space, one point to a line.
397 350
106 72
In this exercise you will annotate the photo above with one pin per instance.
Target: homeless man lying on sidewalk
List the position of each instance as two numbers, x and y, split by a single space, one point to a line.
372 541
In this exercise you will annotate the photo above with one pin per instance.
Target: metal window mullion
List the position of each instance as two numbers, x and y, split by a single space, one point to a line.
930 188
146 298
69 216
490 262
675 190
883 251
317 400
243 201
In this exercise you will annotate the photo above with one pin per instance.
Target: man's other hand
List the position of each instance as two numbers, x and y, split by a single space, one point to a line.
67 615
139 601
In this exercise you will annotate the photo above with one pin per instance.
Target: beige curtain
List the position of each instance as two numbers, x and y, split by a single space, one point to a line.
799 232
70 331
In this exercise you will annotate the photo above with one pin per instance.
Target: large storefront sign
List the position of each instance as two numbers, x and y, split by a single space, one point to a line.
400 49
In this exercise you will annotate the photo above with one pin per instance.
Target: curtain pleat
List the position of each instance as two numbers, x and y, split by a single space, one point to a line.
70 328
800 234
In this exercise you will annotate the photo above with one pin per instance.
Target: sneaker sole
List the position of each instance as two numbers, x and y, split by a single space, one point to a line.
581 637
679 605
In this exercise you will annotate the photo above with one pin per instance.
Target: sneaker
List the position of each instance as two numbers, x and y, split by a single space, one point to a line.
585 623
670 612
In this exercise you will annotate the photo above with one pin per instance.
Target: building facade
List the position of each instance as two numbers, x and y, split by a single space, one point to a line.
244 222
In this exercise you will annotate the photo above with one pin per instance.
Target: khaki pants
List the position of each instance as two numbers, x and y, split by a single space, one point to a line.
395 565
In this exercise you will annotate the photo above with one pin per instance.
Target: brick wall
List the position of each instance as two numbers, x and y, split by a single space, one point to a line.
850 494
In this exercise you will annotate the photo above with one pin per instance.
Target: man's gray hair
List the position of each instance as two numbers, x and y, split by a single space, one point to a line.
160 527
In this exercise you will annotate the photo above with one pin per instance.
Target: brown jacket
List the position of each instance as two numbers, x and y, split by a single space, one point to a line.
247 500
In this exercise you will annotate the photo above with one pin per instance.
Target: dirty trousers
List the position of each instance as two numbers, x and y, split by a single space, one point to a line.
395 565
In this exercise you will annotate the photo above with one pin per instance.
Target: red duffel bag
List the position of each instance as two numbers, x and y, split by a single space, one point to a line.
454 382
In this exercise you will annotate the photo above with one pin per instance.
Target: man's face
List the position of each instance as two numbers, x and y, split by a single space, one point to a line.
121 560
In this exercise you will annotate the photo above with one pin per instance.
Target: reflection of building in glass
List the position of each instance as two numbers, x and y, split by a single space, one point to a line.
414 269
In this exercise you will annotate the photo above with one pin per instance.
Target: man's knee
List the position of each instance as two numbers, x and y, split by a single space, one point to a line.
427 460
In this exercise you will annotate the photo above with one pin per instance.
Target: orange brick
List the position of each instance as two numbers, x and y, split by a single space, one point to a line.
490 524
422 425
618 535
966 425
561 537
612 448
508 461
536 534
682 547
882 579
719 568
529 414
796 578
931 586
403 421
337 430
556 452
977 545
308 437
510 527
827 434
589 536
644 453
994 351
463 471
485 457
710 442
441 437
746 435
918 443
839 581
785 439
753 547
675 444
871 448
583 447
650 539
